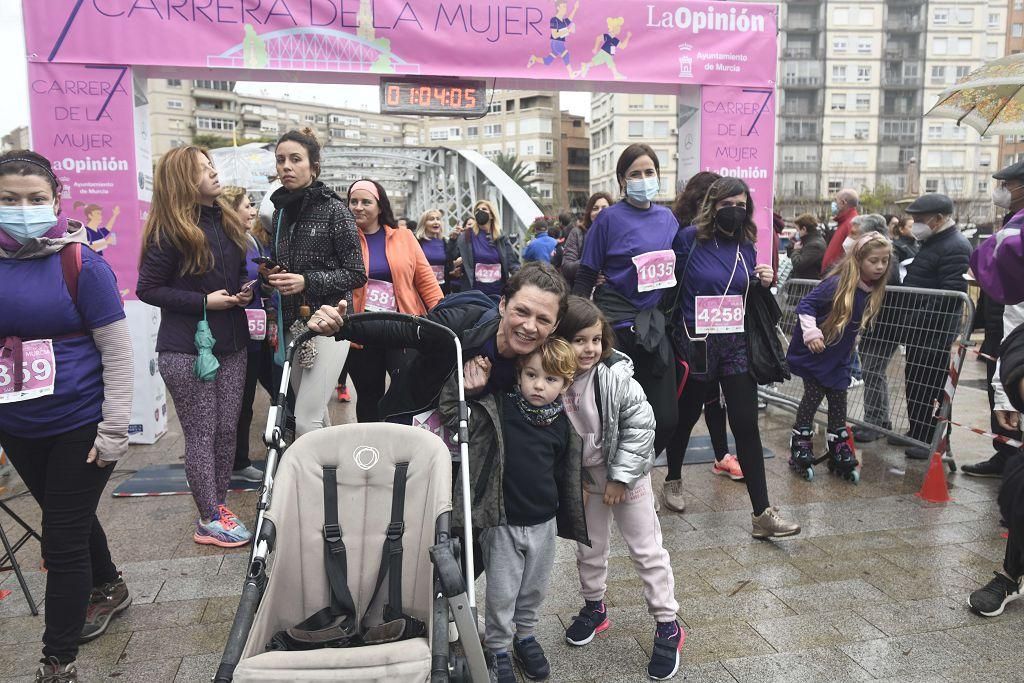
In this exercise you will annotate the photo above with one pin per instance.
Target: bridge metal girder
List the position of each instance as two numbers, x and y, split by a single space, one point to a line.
422 178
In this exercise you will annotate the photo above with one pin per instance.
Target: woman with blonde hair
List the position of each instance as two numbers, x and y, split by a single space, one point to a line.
193 269
484 254
259 367
429 232
318 261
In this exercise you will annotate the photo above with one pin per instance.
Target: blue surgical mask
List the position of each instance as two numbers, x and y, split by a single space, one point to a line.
643 189
25 223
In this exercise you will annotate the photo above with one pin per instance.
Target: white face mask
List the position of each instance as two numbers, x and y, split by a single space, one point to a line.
848 244
920 231
1002 197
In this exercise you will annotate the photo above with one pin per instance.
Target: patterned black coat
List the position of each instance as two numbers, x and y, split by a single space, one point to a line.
314 234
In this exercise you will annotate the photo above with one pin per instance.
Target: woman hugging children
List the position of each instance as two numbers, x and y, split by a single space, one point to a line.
822 348
527 486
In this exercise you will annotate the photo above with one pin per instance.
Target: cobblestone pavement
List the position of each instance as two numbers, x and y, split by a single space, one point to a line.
873 589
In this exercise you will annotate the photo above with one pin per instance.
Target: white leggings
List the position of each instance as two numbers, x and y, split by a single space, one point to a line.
313 387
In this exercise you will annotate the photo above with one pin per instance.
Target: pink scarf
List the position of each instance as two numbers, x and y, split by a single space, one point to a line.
12 245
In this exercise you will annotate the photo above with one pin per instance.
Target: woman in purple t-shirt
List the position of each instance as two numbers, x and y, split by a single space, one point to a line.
630 243
65 398
484 254
429 232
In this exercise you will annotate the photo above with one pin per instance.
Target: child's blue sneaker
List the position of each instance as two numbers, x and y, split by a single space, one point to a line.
501 669
668 641
591 620
530 656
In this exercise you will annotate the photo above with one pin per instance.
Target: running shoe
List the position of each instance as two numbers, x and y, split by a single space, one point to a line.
249 473
343 395
55 672
105 602
501 670
530 656
991 600
668 641
224 532
591 620
673 493
771 524
729 466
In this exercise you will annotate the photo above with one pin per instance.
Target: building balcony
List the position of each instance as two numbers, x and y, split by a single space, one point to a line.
800 136
900 136
803 24
800 53
794 81
903 23
892 167
902 81
799 166
902 53
798 111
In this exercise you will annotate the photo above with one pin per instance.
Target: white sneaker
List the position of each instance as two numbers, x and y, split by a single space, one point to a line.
249 473
673 492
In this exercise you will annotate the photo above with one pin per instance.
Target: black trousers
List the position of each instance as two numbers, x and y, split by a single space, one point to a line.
660 387
368 369
714 418
1003 451
259 369
74 546
925 372
1011 505
741 406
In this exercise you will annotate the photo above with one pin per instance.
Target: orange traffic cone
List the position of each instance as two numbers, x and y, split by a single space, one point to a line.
934 489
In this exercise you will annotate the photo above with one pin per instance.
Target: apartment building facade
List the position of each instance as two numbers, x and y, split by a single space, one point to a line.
1011 149
617 120
855 81
574 162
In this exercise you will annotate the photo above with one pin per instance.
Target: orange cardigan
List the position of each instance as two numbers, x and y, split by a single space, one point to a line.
416 288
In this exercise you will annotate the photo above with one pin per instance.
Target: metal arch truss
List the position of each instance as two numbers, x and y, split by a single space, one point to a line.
422 178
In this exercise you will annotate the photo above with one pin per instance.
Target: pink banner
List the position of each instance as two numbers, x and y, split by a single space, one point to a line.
83 122
665 43
737 138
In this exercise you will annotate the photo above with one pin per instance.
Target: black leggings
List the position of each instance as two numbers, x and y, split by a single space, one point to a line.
814 394
660 387
259 369
68 489
714 418
368 369
741 406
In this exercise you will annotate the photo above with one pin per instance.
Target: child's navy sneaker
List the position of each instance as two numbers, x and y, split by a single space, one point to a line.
591 620
668 641
501 669
530 656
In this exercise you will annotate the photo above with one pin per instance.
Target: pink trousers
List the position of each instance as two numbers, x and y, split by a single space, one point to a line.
638 523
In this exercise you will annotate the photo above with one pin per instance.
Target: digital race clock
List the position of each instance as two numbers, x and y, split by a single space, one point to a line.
433 96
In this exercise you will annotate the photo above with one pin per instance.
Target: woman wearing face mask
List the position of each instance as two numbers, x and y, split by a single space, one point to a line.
259 365
193 269
315 246
435 246
484 254
717 270
598 202
64 429
904 245
398 279
630 242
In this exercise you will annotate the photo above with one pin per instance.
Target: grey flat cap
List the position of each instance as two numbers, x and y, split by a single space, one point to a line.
1011 172
932 203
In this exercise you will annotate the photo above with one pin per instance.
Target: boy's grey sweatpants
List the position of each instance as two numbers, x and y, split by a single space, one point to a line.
518 562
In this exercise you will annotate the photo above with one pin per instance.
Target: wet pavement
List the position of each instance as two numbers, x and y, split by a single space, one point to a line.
874 587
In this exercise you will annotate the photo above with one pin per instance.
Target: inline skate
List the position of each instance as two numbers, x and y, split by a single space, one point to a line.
801 453
841 459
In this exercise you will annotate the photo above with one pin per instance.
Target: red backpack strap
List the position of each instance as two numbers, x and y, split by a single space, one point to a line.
71 266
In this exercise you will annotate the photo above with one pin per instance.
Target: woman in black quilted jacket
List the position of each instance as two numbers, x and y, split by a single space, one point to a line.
318 261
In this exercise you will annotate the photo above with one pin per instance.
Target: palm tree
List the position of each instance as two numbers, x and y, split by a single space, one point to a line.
518 171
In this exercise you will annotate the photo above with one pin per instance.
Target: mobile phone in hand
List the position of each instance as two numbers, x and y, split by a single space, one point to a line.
265 261
248 286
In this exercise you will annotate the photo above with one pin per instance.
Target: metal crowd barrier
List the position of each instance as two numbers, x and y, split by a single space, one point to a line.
910 361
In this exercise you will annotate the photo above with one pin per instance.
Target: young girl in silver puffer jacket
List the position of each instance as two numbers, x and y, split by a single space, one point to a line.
610 412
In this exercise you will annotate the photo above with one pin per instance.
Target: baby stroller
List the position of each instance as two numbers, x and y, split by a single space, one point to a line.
362 586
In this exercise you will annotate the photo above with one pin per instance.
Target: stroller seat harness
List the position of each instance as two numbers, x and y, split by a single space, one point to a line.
337 625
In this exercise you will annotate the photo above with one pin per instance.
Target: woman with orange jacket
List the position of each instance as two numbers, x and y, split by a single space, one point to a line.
398 279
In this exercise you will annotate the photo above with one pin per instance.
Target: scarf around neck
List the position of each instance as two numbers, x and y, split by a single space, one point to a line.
538 416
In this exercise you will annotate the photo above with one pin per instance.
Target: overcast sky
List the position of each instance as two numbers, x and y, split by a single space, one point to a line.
14 81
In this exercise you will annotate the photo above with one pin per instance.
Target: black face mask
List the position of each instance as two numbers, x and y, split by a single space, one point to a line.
730 219
482 217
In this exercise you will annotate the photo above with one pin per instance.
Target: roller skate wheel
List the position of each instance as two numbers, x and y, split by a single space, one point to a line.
809 474
855 477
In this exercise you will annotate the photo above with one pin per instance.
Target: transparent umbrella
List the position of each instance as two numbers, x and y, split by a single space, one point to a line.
989 99
249 166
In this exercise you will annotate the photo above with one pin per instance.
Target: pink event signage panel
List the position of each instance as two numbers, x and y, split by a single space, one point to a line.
82 121
678 42
737 138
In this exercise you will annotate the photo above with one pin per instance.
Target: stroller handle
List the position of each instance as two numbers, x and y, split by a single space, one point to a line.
412 321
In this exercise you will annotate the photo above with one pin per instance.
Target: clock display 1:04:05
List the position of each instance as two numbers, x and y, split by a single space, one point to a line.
431 97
